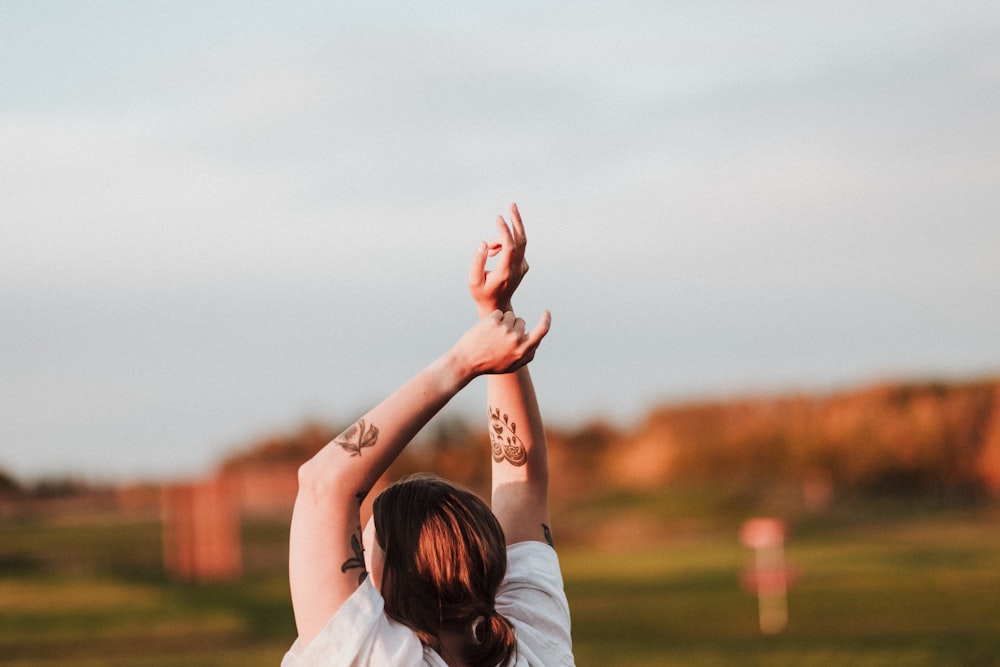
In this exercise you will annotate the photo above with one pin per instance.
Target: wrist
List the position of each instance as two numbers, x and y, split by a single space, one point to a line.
454 370
485 309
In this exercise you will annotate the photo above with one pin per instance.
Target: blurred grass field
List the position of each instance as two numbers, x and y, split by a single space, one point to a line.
886 584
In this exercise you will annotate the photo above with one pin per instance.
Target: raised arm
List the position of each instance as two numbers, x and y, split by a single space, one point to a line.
326 560
517 437
520 459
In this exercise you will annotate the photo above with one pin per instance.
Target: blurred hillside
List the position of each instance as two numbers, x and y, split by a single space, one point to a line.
931 440
915 439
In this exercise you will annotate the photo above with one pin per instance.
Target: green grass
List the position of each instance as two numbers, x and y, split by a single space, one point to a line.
909 589
883 586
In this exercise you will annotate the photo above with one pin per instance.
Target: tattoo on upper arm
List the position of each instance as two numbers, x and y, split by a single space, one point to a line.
357 437
548 535
504 441
358 560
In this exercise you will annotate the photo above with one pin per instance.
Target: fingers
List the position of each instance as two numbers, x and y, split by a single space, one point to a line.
506 239
536 335
506 243
501 340
515 219
514 243
509 321
529 343
477 272
494 287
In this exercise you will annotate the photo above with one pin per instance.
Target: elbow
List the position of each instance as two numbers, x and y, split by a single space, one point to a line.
317 482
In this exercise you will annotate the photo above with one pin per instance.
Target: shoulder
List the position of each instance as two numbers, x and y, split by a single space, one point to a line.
361 634
532 565
533 599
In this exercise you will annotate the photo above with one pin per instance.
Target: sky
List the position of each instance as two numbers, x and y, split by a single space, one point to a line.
220 221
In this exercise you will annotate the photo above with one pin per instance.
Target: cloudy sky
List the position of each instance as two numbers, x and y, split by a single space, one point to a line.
221 220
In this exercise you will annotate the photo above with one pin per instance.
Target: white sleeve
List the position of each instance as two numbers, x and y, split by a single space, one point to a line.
359 634
532 598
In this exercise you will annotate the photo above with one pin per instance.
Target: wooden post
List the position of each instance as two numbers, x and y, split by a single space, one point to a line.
768 578
201 532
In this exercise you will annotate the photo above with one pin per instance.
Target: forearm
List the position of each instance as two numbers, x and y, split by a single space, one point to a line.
520 457
516 431
353 461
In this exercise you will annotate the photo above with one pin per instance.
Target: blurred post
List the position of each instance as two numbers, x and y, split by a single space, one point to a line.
201 532
766 536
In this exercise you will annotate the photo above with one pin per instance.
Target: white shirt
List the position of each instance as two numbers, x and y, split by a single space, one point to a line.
531 597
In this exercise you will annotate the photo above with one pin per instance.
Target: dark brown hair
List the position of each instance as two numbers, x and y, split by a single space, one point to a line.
445 556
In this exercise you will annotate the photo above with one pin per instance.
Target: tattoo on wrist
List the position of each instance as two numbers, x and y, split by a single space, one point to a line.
548 535
504 441
357 437
358 560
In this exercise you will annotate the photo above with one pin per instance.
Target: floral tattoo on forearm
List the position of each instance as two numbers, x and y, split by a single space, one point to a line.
504 441
357 437
358 560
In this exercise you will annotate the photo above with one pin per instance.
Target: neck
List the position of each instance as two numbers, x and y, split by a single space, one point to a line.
451 648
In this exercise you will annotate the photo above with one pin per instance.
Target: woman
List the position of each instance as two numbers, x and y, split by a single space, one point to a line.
436 577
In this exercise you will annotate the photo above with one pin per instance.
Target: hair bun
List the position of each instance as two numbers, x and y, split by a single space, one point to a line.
493 641
477 629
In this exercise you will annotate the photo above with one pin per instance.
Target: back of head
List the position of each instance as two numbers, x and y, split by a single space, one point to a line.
445 557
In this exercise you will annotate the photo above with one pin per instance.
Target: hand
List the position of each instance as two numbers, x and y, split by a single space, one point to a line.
499 344
492 290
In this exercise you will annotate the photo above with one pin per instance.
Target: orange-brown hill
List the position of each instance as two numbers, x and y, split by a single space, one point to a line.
940 438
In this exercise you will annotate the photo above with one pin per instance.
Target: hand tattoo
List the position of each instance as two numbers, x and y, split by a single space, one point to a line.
356 438
548 535
358 560
504 442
